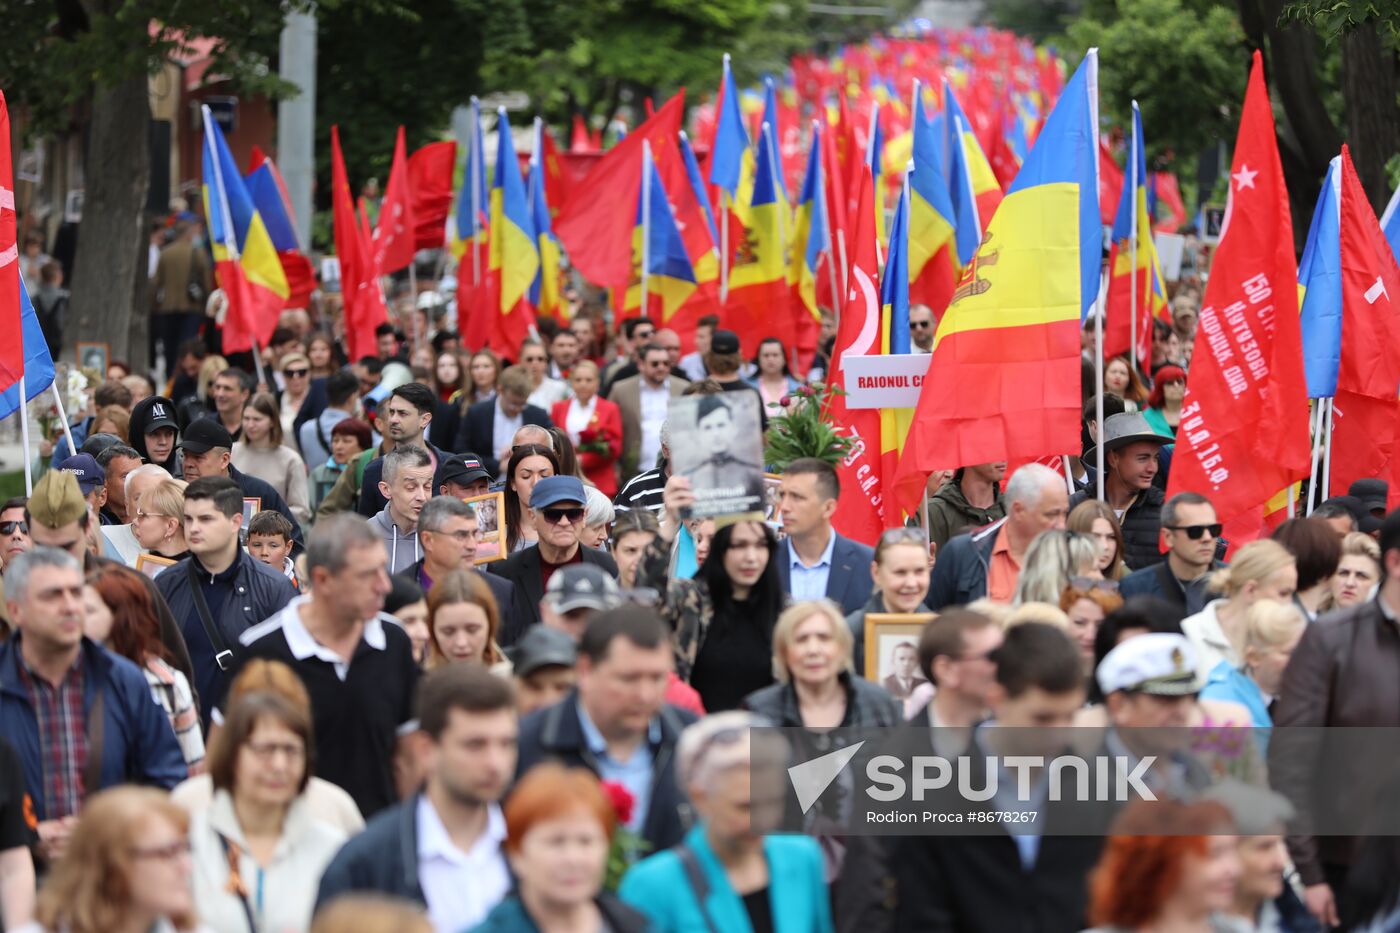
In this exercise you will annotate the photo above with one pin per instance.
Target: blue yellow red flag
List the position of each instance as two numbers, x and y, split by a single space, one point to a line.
514 254
758 289
31 352
731 141
972 182
894 336
665 278
1320 288
933 262
1132 242
1004 380
697 184
473 200
269 194
544 290
810 233
874 152
245 261
770 116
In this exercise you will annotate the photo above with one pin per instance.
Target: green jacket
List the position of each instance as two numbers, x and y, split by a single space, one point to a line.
346 491
950 514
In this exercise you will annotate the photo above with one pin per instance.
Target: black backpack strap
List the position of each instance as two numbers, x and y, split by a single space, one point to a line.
222 655
695 875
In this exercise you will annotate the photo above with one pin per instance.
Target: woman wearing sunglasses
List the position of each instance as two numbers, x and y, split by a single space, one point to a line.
1260 570
751 880
723 617
296 385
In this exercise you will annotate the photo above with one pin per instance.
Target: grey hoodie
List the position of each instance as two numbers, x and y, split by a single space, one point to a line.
404 550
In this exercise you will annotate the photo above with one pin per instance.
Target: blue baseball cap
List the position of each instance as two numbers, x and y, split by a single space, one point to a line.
555 489
85 469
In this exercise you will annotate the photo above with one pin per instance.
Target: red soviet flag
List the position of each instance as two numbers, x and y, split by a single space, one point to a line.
12 344
861 508
1244 421
1366 405
363 302
430 181
393 241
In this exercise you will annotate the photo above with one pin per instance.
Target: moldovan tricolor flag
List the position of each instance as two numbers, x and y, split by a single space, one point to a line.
269 196
1132 224
860 512
664 272
245 260
514 254
758 288
1366 404
1004 380
1244 422
546 290
933 261
972 183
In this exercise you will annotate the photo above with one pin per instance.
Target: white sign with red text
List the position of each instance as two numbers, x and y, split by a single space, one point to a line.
885 381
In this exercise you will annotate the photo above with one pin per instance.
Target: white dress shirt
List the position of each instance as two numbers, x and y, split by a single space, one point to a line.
461 888
654 403
503 430
578 417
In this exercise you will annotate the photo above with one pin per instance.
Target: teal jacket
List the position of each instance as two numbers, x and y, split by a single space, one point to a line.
797 890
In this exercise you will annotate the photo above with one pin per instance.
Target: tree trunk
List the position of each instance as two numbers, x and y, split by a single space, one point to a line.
108 301
1369 87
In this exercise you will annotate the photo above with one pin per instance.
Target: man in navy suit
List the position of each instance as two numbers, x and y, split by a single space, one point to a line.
488 427
813 560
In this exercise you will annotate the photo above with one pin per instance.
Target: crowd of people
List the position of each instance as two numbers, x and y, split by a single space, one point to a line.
428 640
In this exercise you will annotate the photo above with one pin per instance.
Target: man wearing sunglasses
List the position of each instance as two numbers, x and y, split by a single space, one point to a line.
921 328
14 531
1190 532
1130 454
557 511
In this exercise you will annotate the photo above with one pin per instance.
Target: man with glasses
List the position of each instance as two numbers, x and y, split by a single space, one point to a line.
557 508
448 533
643 401
921 328
1130 451
636 334
1190 532
14 530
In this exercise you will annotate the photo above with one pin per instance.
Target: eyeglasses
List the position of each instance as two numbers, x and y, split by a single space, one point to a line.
555 516
460 536
1194 532
266 751
142 513
166 853
1087 584
920 325
8 528
295 373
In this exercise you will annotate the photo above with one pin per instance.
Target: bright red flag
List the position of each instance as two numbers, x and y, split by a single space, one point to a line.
860 513
1169 196
1110 184
1244 422
595 223
558 176
1364 421
430 181
12 347
363 304
392 242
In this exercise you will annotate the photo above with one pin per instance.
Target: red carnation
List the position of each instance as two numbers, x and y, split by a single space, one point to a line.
621 799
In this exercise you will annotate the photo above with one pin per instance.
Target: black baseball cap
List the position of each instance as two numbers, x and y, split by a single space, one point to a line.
724 342
162 413
464 470
204 434
542 647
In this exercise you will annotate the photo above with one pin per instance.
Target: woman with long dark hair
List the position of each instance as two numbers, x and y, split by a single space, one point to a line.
528 464
773 380
261 452
724 616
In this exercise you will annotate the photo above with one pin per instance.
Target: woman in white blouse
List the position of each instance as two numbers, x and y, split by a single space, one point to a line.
594 424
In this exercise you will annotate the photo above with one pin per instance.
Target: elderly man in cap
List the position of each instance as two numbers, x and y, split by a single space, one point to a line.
207 447
448 534
1130 451
557 508
643 400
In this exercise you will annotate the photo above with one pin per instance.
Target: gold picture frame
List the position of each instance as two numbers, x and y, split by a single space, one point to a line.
891 647
152 564
491 526
94 355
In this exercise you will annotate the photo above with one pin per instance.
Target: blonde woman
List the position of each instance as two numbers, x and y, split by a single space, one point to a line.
463 621
817 686
260 452
1272 631
1261 570
208 370
1358 572
159 522
1053 561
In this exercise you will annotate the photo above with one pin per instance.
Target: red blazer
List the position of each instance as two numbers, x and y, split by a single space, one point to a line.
601 469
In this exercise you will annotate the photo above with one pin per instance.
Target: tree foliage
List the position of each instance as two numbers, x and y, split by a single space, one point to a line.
1185 67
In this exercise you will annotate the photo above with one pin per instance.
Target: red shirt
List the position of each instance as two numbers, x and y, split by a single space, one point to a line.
547 569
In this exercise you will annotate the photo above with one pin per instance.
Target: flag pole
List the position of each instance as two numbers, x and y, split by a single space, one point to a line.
63 416
1327 450
474 147
24 439
646 222
1315 460
1133 156
1098 401
724 246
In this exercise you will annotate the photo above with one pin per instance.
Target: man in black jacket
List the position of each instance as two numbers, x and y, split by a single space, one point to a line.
208 447
403 420
420 849
448 532
1130 451
488 428
617 723
218 592
1191 532
557 510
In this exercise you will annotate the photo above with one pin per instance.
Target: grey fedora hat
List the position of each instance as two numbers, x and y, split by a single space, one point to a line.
1123 429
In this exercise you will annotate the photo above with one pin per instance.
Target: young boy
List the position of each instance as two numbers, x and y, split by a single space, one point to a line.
270 541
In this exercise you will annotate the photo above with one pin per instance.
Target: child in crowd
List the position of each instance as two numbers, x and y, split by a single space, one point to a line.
270 541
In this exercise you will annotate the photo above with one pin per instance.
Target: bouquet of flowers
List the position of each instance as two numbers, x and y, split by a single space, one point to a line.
591 439
804 428
627 847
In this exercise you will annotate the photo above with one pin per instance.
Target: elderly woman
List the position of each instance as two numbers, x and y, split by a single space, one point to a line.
258 842
159 522
599 516
127 868
463 620
751 881
559 826
816 686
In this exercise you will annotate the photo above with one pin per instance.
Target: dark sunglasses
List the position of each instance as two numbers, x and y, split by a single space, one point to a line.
1194 532
295 373
8 528
921 325
554 516
1087 584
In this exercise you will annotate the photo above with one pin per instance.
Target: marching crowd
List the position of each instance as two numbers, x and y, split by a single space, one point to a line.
279 658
